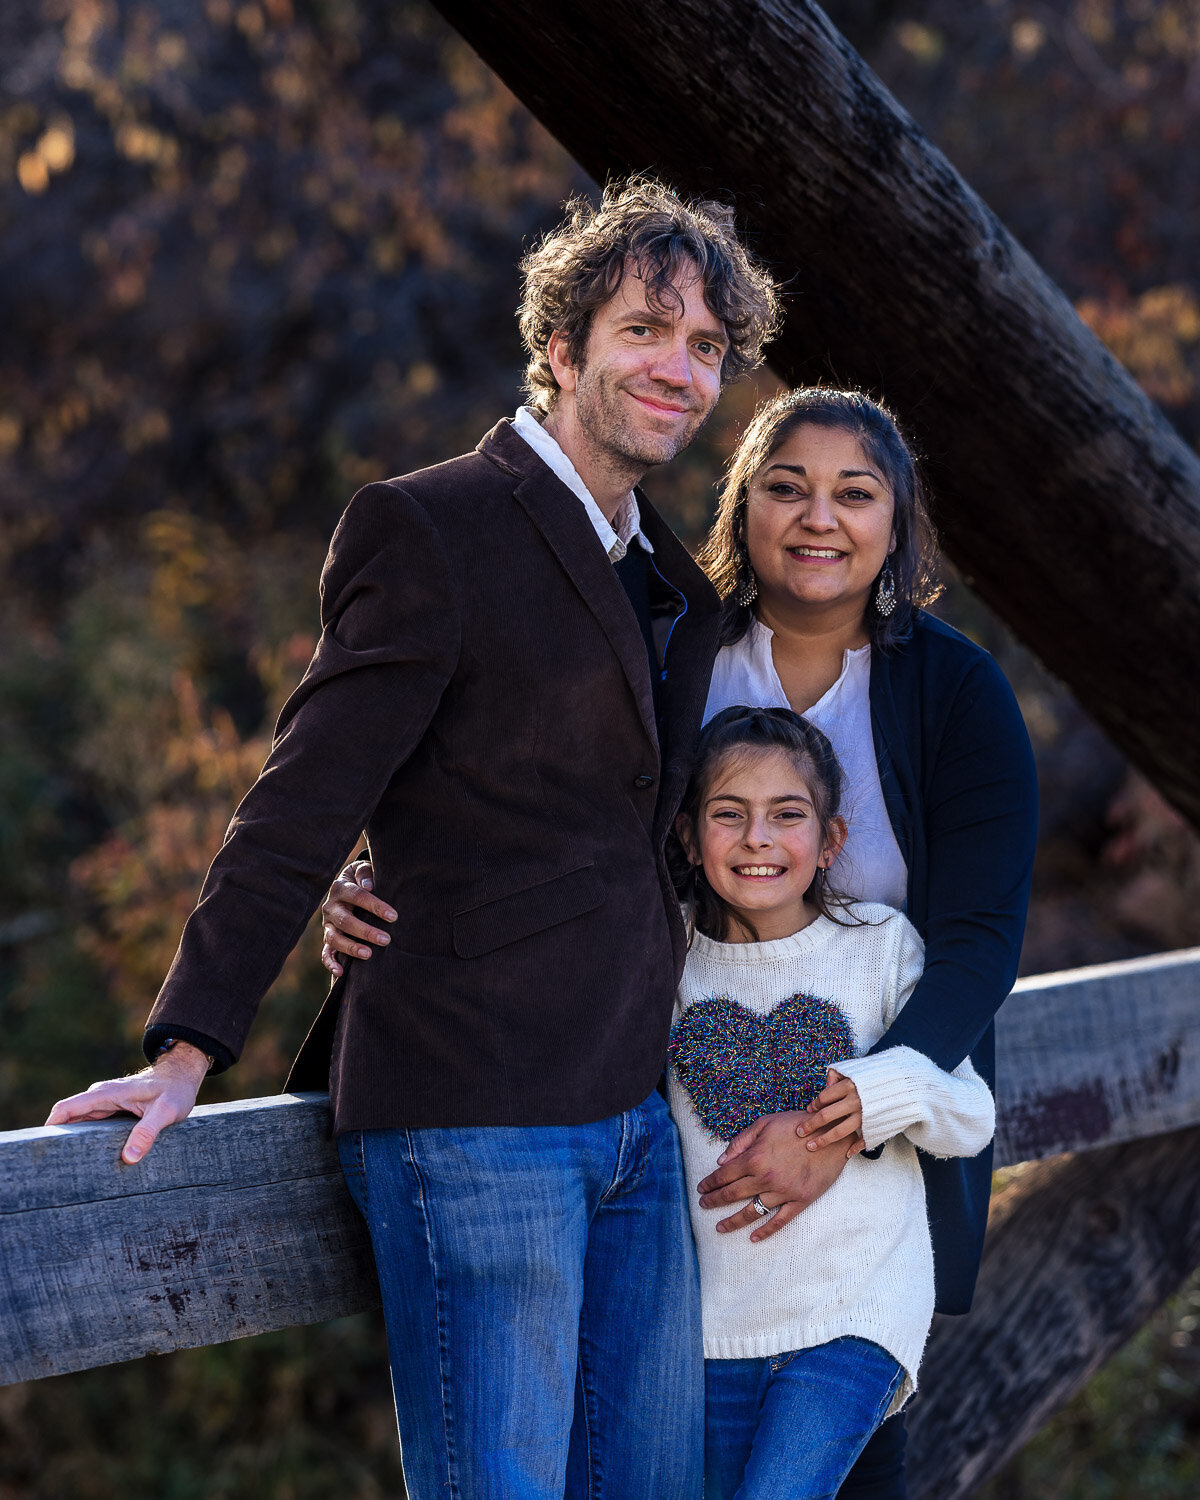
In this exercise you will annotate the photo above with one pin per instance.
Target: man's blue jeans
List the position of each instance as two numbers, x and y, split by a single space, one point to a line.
789 1427
542 1307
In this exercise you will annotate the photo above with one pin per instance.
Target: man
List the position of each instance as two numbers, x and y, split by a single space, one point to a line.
523 649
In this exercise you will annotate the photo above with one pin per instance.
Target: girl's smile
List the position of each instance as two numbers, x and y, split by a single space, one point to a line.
761 843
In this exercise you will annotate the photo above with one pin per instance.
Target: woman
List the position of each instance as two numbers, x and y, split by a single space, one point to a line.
822 553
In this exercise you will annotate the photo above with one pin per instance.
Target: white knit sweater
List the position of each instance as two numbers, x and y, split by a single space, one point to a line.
857 1261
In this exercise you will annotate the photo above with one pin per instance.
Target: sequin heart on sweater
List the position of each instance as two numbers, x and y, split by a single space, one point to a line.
736 1065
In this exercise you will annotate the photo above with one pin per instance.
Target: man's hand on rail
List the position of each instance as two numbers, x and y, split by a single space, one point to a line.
161 1095
343 931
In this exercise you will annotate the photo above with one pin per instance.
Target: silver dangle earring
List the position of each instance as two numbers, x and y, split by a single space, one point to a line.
747 591
885 592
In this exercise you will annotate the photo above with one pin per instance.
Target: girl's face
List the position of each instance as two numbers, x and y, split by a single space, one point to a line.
759 839
818 523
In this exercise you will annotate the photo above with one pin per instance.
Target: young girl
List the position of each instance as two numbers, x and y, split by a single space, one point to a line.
814 1335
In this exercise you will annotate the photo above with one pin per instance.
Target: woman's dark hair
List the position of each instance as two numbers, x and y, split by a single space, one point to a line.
914 561
739 731
641 223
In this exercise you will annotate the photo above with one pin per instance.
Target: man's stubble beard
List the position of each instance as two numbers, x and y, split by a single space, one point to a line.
614 437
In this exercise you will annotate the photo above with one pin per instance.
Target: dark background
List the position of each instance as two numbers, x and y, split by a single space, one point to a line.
254 254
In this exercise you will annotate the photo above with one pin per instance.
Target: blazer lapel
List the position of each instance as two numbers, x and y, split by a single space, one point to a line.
563 522
691 644
688 657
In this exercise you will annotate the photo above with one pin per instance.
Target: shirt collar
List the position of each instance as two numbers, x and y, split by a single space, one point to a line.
616 539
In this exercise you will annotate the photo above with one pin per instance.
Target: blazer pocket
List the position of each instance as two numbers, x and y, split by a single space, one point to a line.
521 914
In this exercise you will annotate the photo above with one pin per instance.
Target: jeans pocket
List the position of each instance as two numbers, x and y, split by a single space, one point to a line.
781 1361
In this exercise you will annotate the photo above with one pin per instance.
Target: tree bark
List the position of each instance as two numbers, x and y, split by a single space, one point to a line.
1061 492
1080 1251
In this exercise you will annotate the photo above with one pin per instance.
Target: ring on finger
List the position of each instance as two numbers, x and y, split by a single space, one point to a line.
759 1207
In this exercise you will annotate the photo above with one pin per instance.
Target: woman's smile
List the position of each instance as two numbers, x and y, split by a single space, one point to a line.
818 523
817 554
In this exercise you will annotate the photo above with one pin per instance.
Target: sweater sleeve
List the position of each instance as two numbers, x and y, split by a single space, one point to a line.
980 810
388 647
903 1093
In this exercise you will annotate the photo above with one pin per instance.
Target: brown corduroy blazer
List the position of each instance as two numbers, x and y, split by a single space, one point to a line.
479 701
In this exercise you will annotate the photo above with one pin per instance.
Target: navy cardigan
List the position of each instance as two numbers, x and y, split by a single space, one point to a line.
960 787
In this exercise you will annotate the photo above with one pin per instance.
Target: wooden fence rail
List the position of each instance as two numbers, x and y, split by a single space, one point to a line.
238 1221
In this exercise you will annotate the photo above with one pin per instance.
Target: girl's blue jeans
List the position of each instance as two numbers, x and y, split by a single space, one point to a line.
790 1426
542 1307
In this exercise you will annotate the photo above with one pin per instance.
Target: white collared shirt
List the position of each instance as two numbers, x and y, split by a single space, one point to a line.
615 539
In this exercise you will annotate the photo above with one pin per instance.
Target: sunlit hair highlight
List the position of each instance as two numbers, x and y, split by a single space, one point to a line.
641 224
742 732
914 562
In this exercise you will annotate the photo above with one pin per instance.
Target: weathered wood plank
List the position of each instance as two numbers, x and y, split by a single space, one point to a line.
243 1143
1098 1055
1080 1251
1050 467
238 1220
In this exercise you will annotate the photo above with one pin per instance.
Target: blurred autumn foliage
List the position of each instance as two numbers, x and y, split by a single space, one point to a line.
253 254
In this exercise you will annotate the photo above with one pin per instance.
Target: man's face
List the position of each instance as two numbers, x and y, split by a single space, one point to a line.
650 376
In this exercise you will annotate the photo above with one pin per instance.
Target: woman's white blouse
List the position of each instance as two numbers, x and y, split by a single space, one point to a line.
870 866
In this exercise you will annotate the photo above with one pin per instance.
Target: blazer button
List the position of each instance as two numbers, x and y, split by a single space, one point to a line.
643 781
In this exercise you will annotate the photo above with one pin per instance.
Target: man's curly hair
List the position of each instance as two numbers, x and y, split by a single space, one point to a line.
641 223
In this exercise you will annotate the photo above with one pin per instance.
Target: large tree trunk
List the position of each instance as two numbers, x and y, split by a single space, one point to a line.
1061 491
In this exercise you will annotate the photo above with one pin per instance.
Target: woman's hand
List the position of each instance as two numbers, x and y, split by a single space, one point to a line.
767 1160
343 931
834 1116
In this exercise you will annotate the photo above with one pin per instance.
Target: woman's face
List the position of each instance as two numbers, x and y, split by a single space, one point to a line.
818 523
